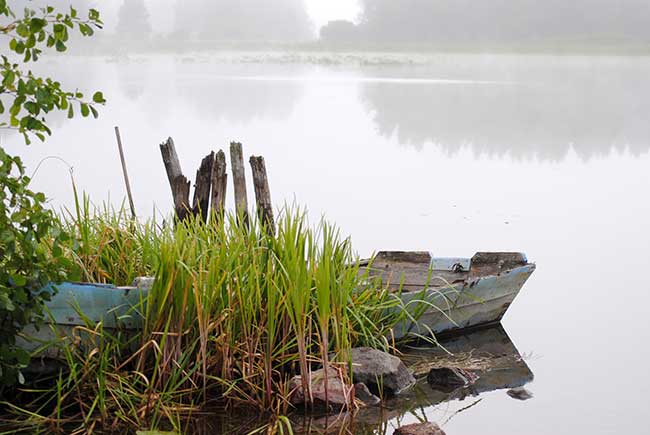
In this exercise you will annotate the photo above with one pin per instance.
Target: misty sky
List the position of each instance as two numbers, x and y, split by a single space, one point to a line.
162 11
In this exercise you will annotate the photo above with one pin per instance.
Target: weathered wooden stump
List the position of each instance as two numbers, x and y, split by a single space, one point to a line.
202 185
239 181
262 194
179 184
219 183
211 182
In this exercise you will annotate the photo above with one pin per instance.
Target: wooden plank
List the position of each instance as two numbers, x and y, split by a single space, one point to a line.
219 183
262 193
239 181
180 186
202 187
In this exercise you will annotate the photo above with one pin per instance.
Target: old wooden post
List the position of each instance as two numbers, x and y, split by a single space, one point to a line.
177 181
262 193
239 181
124 172
202 186
219 183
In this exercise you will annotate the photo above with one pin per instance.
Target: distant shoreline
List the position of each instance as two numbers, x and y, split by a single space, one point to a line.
110 45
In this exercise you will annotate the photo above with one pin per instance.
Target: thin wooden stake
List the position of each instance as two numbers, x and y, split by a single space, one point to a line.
239 181
126 174
179 184
262 194
219 183
202 187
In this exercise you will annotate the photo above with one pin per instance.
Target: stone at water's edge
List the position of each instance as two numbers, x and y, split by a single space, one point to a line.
419 429
370 366
337 391
520 393
448 379
363 394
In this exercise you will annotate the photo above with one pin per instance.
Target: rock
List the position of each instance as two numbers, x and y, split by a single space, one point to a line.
419 429
447 379
363 394
337 391
370 366
520 393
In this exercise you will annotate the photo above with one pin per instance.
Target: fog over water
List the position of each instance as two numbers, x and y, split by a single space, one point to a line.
414 150
459 153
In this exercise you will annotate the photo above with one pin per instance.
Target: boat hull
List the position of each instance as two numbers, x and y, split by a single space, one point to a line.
460 293
479 302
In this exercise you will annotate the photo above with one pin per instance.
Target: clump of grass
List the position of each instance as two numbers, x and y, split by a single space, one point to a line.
109 247
234 313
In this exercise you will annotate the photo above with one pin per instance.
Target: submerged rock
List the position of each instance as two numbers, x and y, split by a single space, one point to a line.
419 429
373 367
448 379
337 392
520 393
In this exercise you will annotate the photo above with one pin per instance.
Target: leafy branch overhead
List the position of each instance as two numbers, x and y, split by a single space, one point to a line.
30 235
28 97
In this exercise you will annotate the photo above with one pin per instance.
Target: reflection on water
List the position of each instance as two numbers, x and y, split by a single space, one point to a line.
540 109
521 106
214 92
488 353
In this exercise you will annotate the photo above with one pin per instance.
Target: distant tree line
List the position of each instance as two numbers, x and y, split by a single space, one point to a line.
493 21
243 20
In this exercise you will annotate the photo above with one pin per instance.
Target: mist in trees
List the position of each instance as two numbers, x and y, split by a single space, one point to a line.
477 22
243 20
133 20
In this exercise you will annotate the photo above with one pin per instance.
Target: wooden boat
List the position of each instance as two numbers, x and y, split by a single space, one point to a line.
462 293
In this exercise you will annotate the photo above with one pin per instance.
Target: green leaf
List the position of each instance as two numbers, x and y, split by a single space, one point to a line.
85 111
98 97
32 107
15 109
9 77
37 24
22 30
60 46
18 280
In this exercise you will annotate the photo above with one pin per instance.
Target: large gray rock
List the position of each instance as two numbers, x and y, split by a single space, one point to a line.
419 429
376 368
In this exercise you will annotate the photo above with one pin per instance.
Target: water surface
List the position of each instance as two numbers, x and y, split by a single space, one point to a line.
454 154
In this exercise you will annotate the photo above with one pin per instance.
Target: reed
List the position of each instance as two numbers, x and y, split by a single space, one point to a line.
234 313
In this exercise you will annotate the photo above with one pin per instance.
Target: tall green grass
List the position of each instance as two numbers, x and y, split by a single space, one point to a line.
234 313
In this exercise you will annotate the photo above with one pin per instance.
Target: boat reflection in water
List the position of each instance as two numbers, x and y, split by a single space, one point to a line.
488 353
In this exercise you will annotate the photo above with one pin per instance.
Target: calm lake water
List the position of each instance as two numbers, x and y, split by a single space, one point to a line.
451 154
